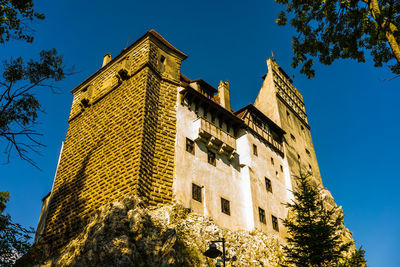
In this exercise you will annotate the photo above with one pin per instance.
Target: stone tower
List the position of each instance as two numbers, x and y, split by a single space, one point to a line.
283 103
121 136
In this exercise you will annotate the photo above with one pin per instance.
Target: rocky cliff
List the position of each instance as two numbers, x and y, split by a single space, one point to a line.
128 234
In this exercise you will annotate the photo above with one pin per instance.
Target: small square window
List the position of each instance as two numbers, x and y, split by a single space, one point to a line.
302 128
162 59
196 192
261 215
275 223
268 185
255 153
225 208
211 158
272 161
190 146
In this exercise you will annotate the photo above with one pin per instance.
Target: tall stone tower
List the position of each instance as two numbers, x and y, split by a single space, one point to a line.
121 136
283 103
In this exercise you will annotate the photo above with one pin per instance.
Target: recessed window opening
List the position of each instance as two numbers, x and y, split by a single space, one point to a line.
308 152
211 158
275 225
162 59
255 153
196 192
225 207
190 146
268 185
281 168
293 138
272 161
261 215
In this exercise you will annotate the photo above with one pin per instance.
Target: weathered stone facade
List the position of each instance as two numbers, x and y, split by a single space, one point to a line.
139 127
121 140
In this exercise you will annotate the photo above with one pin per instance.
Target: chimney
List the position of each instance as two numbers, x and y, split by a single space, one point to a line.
106 59
224 95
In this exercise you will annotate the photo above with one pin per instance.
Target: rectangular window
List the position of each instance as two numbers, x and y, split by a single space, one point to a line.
275 223
225 208
190 146
281 168
261 215
211 158
268 184
196 192
255 153
272 161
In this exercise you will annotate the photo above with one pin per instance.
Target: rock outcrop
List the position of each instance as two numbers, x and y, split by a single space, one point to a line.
128 234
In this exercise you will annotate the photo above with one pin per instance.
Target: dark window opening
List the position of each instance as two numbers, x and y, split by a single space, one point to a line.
281 168
162 59
255 150
275 223
268 184
261 215
272 161
196 192
308 152
225 208
211 158
292 136
190 146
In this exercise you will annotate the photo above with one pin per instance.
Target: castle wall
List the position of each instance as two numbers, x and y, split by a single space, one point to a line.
222 180
121 143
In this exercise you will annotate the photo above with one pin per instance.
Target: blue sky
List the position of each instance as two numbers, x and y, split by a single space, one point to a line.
352 110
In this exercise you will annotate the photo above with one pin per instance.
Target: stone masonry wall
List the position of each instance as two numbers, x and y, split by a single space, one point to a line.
123 144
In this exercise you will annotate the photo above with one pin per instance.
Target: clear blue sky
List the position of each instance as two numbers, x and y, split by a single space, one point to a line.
352 111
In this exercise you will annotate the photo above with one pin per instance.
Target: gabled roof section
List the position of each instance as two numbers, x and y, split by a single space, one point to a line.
250 107
162 40
203 84
125 50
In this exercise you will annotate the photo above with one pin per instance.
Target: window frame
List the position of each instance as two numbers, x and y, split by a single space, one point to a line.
190 143
268 184
211 160
225 206
261 215
255 152
197 192
275 224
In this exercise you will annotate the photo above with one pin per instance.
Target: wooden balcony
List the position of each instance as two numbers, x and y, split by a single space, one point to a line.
215 137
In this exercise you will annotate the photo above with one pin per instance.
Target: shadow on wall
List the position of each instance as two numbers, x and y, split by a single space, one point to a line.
69 205
235 163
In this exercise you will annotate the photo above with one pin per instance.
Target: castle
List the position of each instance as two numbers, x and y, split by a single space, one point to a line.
139 126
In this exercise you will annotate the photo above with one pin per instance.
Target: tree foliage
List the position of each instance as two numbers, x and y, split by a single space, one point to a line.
313 229
19 80
356 259
14 15
19 107
333 29
14 239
